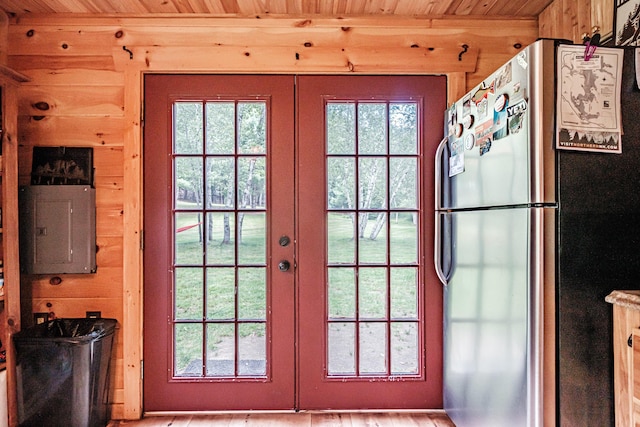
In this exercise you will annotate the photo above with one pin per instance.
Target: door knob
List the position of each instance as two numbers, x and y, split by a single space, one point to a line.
284 265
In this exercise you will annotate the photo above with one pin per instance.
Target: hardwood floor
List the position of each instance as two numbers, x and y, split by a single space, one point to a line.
315 419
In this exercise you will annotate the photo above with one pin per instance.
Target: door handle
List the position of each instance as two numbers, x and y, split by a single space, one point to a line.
284 265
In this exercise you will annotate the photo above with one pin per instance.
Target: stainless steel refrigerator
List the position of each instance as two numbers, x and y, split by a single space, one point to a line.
529 241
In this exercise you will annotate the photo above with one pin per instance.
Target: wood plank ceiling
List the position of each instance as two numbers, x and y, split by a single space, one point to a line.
521 8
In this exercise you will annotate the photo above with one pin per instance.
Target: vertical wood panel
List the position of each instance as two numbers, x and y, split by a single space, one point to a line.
548 20
456 86
602 16
10 249
132 317
4 33
625 320
584 18
570 19
634 391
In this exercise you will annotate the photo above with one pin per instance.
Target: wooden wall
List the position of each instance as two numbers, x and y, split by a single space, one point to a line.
85 90
570 19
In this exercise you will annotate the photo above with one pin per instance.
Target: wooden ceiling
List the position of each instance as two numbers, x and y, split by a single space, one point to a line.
523 8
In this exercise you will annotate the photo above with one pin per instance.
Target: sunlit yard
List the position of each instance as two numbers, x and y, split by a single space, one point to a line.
217 295
220 252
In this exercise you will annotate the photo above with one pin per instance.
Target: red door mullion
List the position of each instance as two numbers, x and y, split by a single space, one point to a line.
236 180
388 237
204 311
236 311
356 326
203 212
356 332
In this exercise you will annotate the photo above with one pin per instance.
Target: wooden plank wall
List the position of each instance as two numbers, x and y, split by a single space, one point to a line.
570 19
85 90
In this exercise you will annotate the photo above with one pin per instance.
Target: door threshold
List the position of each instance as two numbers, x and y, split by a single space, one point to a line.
293 411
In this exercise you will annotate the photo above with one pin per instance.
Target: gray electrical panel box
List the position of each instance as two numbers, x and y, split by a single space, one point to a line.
57 229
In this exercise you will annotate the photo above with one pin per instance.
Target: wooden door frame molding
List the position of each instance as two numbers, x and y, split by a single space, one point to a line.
133 239
134 67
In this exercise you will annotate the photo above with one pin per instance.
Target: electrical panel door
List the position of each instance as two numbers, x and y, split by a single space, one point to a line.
57 229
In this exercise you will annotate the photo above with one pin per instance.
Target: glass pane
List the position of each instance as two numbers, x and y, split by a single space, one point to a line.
187 128
373 348
252 349
341 128
188 238
252 238
341 349
378 221
404 348
188 182
187 350
341 238
252 183
341 183
221 237
404 293
373 238
221 349
372 182
220 183
252 296
342 293
372 293
403 128
252 127
403 183
404 238
188 294
221 292
372 128
213 192
221 131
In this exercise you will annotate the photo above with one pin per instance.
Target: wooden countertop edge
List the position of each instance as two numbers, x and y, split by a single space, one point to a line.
628 299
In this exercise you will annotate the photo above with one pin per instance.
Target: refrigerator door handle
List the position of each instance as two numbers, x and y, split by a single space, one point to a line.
437 253
438 172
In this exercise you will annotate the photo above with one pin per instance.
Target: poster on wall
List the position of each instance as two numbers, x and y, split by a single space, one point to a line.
626 29
588 99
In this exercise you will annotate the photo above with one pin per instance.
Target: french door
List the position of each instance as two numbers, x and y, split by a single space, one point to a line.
287 242
369 305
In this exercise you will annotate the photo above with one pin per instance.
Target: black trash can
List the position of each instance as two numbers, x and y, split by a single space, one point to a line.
63 373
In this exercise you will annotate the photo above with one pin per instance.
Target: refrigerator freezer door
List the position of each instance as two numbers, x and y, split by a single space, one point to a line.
502 131
489 375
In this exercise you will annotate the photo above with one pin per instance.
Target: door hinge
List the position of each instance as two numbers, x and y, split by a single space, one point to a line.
142 240
142 369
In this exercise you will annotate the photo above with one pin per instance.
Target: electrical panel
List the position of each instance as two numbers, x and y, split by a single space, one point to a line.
57 229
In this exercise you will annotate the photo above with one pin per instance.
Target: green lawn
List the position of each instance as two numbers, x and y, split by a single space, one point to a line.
217 300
